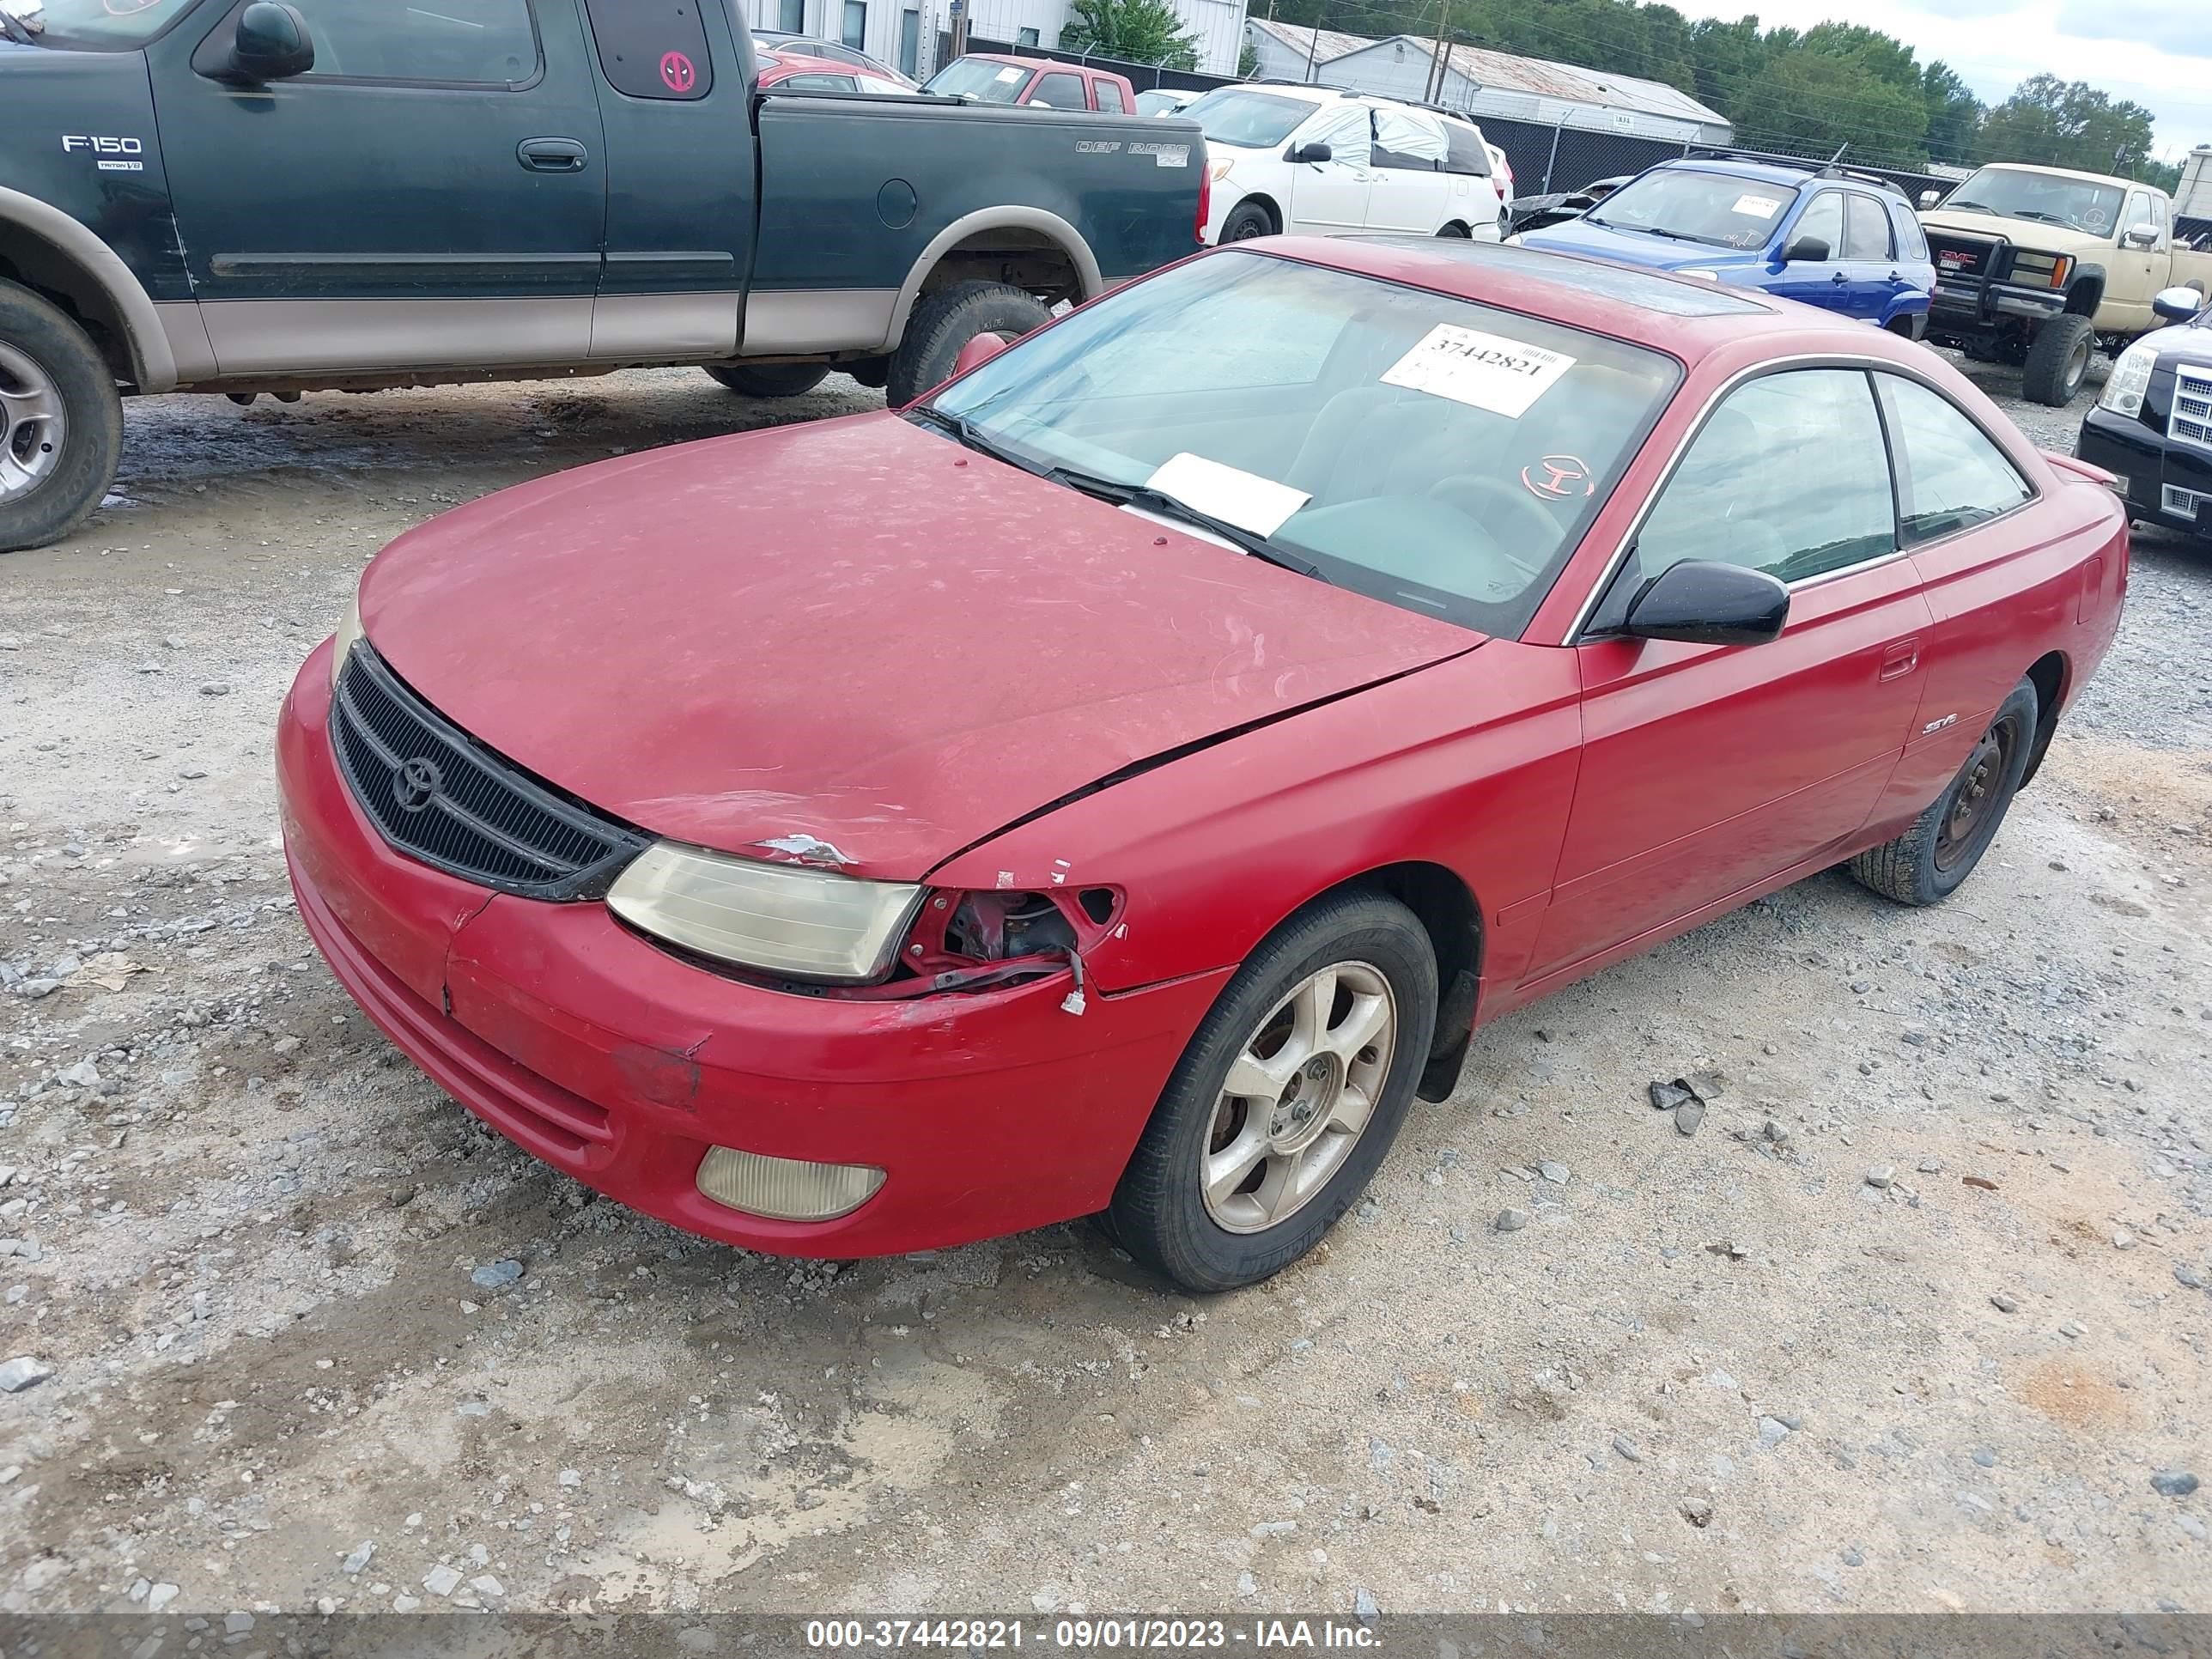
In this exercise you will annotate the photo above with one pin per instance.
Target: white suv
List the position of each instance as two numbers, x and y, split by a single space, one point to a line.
1314 160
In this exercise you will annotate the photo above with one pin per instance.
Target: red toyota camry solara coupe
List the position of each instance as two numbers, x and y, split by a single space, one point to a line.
1121 782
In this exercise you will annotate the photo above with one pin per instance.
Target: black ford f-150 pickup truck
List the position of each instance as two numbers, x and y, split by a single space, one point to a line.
241 195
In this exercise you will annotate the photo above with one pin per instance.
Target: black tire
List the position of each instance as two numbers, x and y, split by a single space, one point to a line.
945 321
1928 862
1158 1213
1245 221
2058 360
1457 231
43 349
770 379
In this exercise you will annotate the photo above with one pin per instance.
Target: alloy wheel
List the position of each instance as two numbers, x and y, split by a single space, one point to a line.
31 423
1298 1097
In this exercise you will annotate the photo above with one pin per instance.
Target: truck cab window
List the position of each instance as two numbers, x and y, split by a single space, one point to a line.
652 48
1059 91
456 43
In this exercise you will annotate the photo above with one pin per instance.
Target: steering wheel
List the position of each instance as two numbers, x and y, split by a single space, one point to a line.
1488 502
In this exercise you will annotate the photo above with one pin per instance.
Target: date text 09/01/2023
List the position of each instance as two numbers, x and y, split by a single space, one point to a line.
1292 1635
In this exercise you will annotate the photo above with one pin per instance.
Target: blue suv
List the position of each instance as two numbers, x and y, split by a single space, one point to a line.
1840 240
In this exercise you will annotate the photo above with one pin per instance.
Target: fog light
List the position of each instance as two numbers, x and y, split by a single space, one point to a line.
785 1189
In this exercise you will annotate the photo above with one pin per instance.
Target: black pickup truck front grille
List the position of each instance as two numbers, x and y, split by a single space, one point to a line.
440 796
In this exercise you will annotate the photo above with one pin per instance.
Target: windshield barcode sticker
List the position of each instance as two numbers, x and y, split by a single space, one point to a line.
1754 207
1486 371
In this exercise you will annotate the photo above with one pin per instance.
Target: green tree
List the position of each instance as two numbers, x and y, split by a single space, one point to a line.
2067 124
1954 114
1136 31
1248 62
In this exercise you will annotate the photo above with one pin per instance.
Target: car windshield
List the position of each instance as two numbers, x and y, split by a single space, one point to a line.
2082 204
979 78
99 25
1440 455
1687 205
1249 120
1158 103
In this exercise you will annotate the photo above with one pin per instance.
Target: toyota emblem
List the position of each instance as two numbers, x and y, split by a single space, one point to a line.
415 784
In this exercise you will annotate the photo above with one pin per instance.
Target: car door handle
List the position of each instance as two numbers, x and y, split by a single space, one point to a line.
1840 278
1899 658
552 155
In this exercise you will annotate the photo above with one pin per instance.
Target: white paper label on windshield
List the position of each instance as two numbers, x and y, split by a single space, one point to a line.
1754 207
1010 73
1488 371
1228 493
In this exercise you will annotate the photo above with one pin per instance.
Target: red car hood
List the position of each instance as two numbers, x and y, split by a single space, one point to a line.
853 633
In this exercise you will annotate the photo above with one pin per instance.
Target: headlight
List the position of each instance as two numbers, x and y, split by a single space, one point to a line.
807 924
2129 380
1514 240
341 642
1217 169
2033 269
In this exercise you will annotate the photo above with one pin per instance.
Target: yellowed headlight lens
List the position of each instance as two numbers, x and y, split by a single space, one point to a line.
806 924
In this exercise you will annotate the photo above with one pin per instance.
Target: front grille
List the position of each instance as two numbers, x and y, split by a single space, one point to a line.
2191 420
2186 503
440 796
1960 257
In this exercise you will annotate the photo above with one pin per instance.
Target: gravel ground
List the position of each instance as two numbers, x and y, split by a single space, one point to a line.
1915 1321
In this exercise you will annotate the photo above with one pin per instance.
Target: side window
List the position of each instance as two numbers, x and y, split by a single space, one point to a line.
1866 229
1911 244
1109 97
1412 139
814 83
1346 134
872 83
651 48
1789 476
1823 220
1464 151
478 42
1060 91
1950 474
2158 218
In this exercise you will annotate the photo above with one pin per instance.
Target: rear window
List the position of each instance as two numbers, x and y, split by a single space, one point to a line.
1249 120
1464 152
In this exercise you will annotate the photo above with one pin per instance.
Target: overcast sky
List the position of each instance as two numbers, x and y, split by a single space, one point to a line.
2158 52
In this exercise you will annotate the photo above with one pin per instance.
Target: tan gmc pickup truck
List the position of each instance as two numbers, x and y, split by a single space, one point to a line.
2043 267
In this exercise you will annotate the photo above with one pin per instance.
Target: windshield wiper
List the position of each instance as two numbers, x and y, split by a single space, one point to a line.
969 434
1965 207
2042 218
1168 507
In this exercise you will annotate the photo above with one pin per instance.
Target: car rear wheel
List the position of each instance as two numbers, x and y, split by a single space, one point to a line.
1928 862
1245 221
770 379
946 320
1287 1098
2058 360
61 421
1457 231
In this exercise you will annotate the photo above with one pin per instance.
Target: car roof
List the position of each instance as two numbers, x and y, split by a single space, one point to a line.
1768 173
1034 63
805 64
1685 316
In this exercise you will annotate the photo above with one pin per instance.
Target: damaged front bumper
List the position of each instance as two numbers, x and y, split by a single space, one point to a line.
989 1112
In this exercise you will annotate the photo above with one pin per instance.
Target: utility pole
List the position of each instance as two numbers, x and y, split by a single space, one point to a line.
1435 94
1313 48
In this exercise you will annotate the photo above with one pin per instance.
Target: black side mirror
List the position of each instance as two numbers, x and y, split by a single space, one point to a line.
1811 249
1702 602
1311 153
272 43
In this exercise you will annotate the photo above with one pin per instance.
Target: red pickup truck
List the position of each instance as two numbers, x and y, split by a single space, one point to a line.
992 78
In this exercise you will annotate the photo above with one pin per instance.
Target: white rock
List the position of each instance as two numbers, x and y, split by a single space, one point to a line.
441 1580
237 1624
361 1554
20 1373
159 1597
403 1602
487 1585
570 1478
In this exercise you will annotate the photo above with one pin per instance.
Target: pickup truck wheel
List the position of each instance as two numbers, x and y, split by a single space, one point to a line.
61 422
1287 1098
1927 862
2058 360
771 379
945 321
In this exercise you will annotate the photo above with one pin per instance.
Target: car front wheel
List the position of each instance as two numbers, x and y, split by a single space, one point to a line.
2058 360
61 421
769 380
1287 1098
1928 862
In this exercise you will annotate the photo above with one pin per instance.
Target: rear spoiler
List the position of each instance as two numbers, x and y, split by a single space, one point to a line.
2081 469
